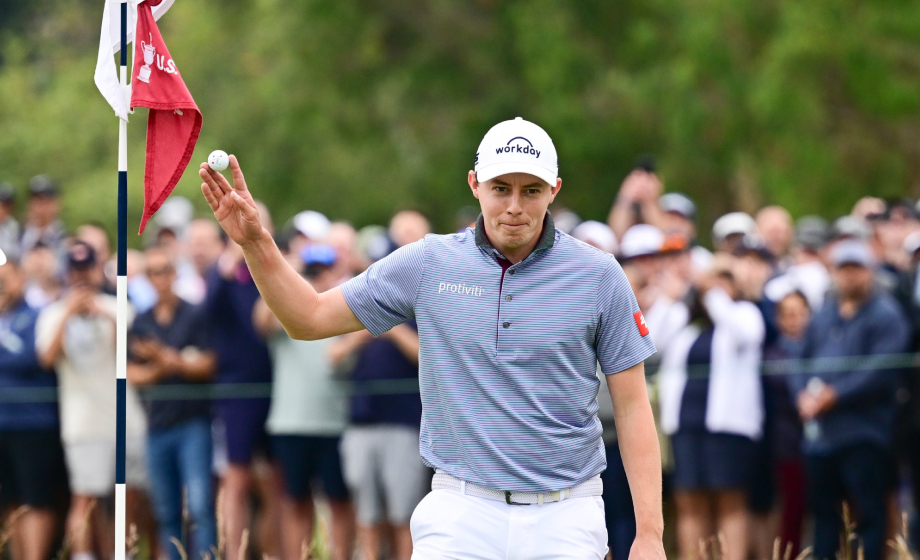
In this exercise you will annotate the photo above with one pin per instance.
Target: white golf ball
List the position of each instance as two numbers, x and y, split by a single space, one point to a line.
218 160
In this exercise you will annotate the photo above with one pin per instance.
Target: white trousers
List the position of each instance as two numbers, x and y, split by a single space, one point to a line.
450 525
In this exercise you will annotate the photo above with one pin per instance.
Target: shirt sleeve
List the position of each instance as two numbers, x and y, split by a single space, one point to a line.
383 296
622 337
49 320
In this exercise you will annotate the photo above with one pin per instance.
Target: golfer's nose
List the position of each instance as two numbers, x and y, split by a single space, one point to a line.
514 204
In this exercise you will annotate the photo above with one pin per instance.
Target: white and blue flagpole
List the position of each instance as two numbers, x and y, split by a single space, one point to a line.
121 287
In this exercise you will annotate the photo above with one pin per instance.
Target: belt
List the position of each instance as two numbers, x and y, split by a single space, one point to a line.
590 487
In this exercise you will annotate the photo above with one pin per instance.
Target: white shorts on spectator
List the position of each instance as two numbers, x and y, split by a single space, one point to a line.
91 466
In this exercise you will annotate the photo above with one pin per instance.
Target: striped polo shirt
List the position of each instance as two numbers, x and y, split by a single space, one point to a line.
507 362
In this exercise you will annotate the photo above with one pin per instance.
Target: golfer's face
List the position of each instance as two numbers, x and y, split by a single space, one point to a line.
513 207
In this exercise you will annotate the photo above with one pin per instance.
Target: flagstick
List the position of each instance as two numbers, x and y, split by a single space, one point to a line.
121 287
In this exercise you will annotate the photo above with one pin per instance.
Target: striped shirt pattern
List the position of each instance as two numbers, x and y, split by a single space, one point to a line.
507 368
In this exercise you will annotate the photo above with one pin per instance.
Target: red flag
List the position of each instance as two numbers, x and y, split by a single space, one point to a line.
174 121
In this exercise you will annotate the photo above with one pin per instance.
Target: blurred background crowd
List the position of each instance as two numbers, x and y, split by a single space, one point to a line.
786 384
787 344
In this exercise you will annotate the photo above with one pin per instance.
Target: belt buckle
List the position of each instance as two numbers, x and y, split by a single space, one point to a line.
508 499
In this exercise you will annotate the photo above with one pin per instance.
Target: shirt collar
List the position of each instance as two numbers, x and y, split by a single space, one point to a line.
547 238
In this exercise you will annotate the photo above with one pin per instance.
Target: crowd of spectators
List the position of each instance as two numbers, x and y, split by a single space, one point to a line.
784 383
785 380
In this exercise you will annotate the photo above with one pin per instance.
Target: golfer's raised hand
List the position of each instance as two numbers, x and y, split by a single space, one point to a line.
233 206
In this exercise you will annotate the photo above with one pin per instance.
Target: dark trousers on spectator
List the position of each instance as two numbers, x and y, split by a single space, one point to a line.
858 474
618 506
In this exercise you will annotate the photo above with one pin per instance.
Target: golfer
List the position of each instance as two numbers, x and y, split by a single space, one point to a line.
513 317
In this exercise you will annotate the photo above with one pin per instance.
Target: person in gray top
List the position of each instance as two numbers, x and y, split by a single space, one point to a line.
513 317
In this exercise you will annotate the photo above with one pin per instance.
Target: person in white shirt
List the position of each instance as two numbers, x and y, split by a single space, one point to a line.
76 337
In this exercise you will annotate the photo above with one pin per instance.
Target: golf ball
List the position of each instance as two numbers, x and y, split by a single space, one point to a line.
218 160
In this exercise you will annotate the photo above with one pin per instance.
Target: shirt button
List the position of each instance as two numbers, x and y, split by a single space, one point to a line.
507 298
506 324
511 271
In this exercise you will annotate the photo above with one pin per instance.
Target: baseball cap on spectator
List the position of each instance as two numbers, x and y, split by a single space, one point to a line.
311 224
81 256
678 203
912 243
900 208
597 235
811 232
641 240
43 186
852 251
733 223
754 244
7 193
675 243
516 146
318 254
850 227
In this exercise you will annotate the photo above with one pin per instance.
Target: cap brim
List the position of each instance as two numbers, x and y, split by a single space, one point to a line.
852 261
490 172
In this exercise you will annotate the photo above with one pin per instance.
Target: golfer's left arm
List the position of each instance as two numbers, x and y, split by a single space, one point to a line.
641 455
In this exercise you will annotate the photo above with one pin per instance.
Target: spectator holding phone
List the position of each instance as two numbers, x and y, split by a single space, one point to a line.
169 346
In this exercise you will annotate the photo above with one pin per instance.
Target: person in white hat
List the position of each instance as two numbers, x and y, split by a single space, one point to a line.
730 229
513 318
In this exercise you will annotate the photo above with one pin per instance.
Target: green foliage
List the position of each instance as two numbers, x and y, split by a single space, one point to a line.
360 107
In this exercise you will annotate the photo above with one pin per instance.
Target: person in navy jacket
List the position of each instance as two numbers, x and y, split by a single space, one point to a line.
848 407
32 471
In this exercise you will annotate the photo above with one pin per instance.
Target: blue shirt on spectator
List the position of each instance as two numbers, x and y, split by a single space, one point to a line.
29 391
864 412
381 360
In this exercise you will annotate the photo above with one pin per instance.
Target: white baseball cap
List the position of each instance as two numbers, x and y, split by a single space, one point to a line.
312 224
641 240
731 224
596 234
516 146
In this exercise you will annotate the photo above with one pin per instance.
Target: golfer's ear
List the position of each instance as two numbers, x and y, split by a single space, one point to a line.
555 190
473 182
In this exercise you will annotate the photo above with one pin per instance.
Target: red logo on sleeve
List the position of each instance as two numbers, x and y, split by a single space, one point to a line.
640 322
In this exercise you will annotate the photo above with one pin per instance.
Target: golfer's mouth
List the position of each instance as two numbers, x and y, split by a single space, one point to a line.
514 227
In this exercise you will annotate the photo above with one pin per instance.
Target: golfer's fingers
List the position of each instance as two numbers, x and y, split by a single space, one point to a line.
205 174
239 182
213 187
219 180
249 211
209 196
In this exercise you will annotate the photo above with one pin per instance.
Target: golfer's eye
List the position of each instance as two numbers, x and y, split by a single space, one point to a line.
500 189
533 191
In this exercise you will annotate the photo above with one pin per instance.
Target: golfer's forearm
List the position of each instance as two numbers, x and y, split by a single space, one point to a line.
642 460
304 314
638 447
